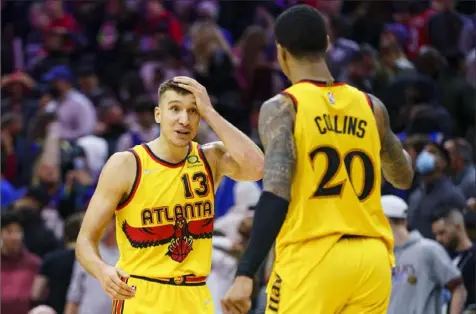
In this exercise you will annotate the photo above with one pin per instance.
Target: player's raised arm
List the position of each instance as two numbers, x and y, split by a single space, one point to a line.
396 163
114 184
276 127
236 156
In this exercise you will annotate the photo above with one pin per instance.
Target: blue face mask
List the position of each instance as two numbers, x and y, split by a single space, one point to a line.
425 163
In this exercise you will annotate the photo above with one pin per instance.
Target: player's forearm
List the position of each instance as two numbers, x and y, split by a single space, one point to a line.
87 254
458 299
269 217
241 148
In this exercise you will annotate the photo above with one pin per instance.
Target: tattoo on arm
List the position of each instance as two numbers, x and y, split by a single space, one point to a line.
276 126
396 164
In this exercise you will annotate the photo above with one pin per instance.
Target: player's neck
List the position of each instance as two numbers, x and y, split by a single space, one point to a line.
164 150
316 71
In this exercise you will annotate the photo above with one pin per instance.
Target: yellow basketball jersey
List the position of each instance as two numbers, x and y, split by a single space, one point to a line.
164 229
336 184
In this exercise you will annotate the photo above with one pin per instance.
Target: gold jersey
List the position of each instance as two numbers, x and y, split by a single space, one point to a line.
336 184
164 229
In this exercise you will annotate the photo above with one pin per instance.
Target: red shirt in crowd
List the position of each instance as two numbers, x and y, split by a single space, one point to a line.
152 23
418 32
18 273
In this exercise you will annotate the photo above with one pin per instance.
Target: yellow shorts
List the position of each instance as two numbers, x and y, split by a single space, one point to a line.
354 277
153 297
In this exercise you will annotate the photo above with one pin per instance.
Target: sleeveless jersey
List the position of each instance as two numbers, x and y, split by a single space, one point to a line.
164 229
336 184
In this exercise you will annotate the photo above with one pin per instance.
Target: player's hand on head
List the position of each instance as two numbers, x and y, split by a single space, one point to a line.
111 281
199 92
238 298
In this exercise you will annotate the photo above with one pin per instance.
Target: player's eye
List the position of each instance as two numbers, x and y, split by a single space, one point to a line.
175 109
193 111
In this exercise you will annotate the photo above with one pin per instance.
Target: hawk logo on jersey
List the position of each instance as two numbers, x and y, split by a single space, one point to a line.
330 96
180 235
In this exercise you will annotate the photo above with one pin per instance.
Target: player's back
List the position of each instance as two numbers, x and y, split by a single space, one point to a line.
336 183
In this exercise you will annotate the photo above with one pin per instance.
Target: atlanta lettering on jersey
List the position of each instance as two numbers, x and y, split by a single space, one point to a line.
166 214
341 125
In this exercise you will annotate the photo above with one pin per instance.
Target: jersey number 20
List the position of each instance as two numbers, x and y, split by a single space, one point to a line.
327 188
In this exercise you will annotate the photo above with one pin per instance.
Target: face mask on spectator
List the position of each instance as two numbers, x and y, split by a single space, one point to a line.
425 163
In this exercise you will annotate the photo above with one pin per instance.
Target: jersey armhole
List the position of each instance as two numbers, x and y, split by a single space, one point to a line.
207 166
295 102
135 185
369 100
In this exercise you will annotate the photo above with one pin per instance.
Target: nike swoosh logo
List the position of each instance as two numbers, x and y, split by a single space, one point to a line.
150 171
207 301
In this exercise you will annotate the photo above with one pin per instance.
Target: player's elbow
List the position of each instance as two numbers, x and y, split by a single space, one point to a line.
403 183
399 178
254 168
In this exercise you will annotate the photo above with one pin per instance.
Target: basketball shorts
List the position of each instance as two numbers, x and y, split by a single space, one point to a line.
184 295
353 278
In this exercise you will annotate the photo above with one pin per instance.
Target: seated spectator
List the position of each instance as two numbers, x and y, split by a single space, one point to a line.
436 189
52 282
19 266
449 229
462 169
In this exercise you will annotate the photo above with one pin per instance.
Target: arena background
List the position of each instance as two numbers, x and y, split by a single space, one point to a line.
79 82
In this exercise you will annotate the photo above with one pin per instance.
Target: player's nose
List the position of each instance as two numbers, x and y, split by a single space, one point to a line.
184 118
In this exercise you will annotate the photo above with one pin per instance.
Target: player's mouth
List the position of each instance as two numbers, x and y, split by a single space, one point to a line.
183 133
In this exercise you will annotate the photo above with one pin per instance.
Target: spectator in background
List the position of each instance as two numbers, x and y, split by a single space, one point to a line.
76 114
435 191
144 129
423 268
19 266
457 95
85 294
450 31
111 123
449 229
11 130
39 22
461 167
470 66
156 15
52 282
89 85
37 237
19 87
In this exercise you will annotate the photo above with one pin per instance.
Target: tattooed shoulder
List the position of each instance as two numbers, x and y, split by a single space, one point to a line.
396 164
276 128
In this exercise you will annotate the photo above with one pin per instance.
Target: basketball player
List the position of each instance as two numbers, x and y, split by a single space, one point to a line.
325 144
162 195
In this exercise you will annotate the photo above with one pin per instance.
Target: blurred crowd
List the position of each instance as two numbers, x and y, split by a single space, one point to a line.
79 83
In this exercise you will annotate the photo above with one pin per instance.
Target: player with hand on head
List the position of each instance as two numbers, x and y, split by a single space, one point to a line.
325 145
162 195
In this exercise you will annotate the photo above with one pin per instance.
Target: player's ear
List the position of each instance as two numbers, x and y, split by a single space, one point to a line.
328 44
157 113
